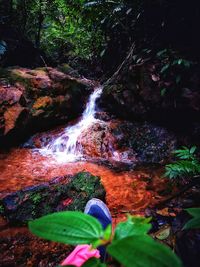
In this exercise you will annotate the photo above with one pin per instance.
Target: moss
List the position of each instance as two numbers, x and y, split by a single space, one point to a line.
16 75
36 197
40 200
84 181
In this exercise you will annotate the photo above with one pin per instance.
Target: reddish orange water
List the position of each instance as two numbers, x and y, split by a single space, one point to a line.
127 191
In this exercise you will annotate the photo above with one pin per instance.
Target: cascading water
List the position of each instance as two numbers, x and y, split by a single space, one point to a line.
65 148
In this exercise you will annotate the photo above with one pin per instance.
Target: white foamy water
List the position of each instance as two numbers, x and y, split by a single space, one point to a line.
65 148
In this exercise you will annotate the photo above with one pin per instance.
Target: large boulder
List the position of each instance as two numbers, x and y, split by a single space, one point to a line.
131 143
32 100
61 193
140 92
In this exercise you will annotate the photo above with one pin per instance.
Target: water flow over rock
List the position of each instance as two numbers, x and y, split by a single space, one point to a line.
66 147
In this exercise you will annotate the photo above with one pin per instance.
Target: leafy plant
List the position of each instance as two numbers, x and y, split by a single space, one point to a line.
171 62
187 164
195 221
130 244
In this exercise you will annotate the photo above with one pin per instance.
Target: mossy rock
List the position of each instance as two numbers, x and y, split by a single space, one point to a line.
61 193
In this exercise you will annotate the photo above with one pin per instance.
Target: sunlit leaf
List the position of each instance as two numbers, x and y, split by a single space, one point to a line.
107 232
67 227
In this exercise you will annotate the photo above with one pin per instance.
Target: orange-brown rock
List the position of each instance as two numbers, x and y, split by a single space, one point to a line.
11 116
42 102
44 96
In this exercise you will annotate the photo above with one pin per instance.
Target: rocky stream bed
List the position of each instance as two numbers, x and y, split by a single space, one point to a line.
117 160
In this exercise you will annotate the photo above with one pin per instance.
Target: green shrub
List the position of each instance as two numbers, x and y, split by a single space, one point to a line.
187 164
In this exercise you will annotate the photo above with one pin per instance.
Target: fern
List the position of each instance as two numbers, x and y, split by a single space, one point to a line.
187 164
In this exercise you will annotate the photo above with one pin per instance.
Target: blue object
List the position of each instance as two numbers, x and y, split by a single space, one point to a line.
98 209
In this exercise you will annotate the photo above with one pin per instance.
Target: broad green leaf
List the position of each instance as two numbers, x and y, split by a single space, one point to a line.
67 227
142 251
194 222
133 226
93 262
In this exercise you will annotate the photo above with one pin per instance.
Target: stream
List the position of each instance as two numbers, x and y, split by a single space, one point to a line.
127 191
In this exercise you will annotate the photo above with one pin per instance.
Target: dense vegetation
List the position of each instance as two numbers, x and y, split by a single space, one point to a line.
100 31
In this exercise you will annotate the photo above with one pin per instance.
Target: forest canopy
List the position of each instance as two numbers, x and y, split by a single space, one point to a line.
100 30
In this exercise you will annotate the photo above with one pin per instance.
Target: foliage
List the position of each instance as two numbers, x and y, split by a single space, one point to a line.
194 222
187 164
130 246
85 228
172 63
59 27
103 29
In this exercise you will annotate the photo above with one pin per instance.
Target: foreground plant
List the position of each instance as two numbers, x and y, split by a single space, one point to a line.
130 244
193 223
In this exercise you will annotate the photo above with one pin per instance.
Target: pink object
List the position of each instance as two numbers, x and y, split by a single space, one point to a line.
80 255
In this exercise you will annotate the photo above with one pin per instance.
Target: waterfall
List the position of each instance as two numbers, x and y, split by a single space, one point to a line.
65 148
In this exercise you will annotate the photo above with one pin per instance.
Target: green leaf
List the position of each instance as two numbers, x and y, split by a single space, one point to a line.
67 227
195 222
142 251
163 91
160 53
107 232
193 149
175 62
180 61
133 226
164 68
93 262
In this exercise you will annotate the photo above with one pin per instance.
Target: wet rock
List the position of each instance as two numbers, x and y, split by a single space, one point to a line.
135 93
13 117
104 116
42 98
127 142
61 193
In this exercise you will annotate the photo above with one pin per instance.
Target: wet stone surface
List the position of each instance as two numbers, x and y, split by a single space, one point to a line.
61 193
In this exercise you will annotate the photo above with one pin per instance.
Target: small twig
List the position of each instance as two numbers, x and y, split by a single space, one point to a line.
130 53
